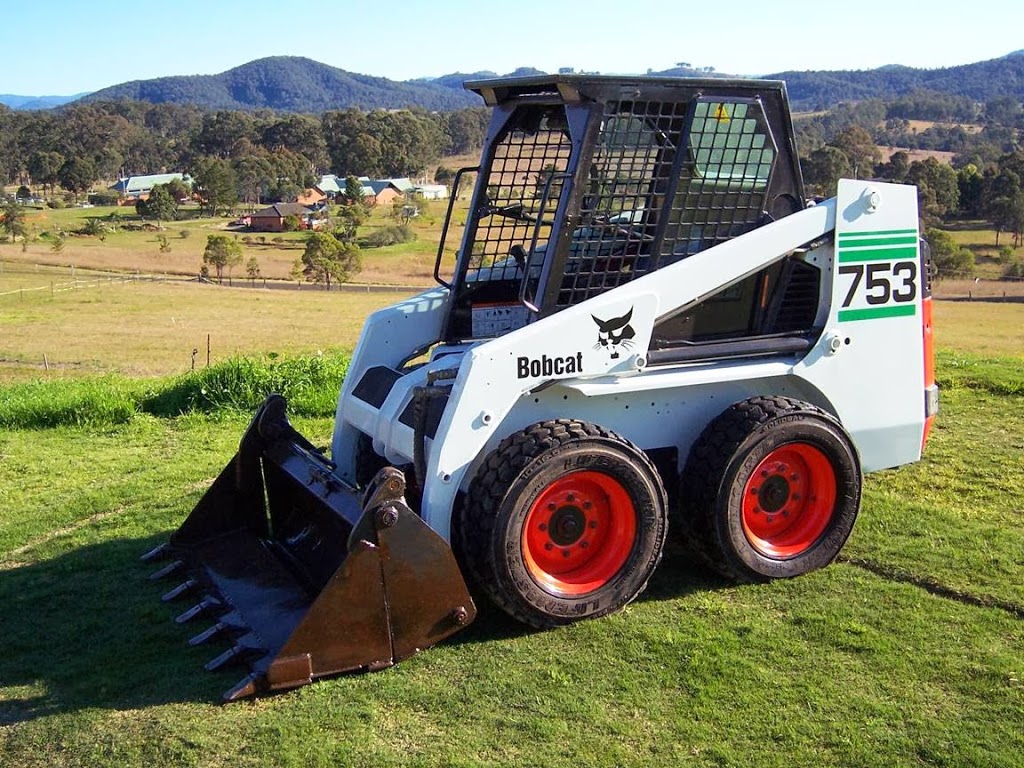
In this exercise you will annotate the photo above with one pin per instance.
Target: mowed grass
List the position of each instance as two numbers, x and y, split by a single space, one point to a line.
150 328
132 245
909 651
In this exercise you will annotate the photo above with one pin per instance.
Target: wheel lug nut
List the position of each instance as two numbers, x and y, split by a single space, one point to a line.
593 523
587 505
753 491
547 546
570 497
552 506
543 526
565 553
584 544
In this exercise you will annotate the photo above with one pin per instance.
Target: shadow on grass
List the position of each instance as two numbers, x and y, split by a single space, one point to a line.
676 576
86 629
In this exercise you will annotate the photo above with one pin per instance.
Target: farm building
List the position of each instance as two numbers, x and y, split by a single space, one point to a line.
375 191
134 188
311 197
272 218
431 191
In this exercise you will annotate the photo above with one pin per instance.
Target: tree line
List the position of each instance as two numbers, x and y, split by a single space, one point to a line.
270 155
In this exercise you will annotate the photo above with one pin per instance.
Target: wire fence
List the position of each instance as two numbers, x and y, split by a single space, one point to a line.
75 284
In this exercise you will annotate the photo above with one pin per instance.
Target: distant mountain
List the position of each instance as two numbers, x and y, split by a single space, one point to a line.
296 84
291 84
982 81
36 102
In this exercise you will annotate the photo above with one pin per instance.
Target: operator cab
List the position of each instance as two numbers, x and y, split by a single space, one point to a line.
589 182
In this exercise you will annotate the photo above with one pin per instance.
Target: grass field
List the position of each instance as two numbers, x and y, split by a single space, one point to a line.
133 245
907 652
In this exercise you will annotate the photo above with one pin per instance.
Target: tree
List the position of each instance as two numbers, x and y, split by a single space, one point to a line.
178 190
161 205
222 251
217 185
948 258
353 211
824 168
44 167
326 259
14 220
77 174
937 189
860 149
23 193
252 268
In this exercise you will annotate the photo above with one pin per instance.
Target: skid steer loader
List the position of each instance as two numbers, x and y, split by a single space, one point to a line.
646 320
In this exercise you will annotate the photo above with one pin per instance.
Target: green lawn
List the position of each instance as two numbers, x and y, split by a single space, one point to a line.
909 653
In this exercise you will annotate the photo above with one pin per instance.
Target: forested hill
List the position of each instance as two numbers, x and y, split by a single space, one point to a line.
982 81
292 84
296 84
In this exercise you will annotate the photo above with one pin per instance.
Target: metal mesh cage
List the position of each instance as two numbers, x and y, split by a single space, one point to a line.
524 185
668 179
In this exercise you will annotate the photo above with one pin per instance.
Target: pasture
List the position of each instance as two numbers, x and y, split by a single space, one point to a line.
908 651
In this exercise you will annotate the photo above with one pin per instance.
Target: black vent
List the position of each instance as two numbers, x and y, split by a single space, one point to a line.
799 303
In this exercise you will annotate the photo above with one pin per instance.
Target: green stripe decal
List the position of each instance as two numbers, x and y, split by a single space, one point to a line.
877 313
877 254
879 233
877 241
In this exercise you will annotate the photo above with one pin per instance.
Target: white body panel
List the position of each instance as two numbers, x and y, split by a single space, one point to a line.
866 367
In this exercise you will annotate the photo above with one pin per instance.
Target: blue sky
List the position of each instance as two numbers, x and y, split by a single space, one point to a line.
60 47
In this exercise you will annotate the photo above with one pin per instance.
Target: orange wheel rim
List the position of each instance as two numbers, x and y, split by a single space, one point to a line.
579 533
789 500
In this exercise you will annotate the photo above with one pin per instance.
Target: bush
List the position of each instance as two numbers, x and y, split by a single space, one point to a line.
1014 270
56 203
104 198
389 235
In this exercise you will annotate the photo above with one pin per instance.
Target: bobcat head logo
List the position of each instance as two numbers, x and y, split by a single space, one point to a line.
615 334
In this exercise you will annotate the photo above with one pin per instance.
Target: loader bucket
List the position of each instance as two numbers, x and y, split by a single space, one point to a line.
305 576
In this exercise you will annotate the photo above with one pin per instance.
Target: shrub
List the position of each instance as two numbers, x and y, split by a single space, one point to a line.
389 235
1014 270
104 198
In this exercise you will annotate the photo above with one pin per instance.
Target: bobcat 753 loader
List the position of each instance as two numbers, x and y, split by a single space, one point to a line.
646 320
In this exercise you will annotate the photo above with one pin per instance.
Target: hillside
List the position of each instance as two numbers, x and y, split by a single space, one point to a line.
36 102
296 84
981 81
292 84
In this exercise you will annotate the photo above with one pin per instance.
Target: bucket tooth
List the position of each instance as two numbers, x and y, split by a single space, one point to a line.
168 570
159 552
208 603
208 634
239 652
178 591
242 689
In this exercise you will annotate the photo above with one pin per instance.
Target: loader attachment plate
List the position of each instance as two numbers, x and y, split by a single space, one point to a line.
305 576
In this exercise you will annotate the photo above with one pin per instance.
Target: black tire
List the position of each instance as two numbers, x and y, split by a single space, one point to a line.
771 489
564 521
